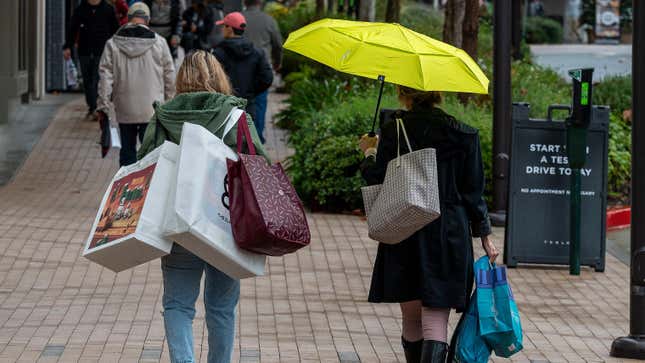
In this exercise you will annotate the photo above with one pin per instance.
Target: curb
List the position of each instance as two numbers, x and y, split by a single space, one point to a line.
619 218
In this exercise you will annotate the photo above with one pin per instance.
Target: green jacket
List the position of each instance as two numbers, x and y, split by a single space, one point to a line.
201 108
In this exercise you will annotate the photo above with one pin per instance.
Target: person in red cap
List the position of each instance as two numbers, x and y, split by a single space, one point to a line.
245 65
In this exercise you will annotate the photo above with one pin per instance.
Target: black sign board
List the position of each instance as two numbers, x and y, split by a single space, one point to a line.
538 204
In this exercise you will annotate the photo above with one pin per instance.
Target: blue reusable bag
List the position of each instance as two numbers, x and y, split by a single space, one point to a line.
499 318
470 347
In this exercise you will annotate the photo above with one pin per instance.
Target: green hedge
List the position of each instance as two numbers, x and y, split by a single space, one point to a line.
620 160
543 31
615 92
326 116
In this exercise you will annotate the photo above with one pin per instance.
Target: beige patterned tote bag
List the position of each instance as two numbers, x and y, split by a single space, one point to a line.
408 199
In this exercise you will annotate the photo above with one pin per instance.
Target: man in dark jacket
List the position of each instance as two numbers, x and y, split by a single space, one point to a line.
93 23
246 66
264 33
198 22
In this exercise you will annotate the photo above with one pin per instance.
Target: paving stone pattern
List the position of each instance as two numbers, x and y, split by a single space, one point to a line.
56 306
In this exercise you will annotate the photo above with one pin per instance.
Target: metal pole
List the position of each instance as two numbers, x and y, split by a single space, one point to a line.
516 25
633 346
574 254
378 104
501 107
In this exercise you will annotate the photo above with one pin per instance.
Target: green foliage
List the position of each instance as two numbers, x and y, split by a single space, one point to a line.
541 30
292 19
588 12
325 166
615 92
620 159
295 18
423 19
626 16
538 86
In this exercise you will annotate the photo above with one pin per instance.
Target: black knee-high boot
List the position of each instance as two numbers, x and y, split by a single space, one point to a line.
434 351
412 350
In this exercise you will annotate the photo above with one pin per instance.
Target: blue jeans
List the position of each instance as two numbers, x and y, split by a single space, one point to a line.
261 101
182 274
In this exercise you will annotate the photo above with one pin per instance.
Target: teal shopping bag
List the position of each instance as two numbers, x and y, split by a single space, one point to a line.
470 347
499 318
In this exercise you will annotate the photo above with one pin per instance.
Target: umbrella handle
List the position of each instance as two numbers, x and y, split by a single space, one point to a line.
378 104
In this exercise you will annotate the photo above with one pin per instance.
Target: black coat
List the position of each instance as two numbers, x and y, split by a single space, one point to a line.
246 67
203 18
93 26
436 263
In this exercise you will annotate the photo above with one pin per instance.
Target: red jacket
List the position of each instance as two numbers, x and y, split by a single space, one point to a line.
121 8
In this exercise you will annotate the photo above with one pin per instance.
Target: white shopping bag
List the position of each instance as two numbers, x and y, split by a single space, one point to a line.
198 218
128 229
115 139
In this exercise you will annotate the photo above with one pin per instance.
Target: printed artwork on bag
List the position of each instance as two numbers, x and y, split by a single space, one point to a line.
122 211
215 205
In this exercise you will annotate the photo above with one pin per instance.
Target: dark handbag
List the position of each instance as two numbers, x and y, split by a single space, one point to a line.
267 216
106 137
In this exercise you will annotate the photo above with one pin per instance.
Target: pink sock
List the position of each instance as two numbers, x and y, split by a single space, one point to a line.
411 314
435 324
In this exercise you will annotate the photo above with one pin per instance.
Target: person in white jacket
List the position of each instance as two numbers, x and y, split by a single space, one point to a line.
136 70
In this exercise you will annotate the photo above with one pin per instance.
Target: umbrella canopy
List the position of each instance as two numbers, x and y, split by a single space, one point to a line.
402 56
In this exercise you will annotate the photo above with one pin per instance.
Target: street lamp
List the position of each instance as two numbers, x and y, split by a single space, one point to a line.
633 346
501 108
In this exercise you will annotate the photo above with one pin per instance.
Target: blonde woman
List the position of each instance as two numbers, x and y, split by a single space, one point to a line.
204 98
431 272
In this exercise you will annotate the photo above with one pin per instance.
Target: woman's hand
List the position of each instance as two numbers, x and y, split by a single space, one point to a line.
490 249
368 142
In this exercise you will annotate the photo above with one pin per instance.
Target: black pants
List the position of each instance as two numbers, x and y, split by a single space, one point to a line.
90 72
129 135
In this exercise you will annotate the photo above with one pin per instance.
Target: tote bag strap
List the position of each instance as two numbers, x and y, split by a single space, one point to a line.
399 126
231 120
243 132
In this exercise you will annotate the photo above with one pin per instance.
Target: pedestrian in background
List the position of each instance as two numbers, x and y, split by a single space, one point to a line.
197 23
177 51
92 24
165 17
121 8
431 272
262 30
204 97
216 36
136 71
246 66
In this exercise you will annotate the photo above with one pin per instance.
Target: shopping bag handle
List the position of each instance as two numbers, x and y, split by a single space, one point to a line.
243 132
399 125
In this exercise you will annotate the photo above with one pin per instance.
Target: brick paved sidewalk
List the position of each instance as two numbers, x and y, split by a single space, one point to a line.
56 306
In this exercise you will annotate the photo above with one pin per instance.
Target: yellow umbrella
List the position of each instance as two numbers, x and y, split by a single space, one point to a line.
389 52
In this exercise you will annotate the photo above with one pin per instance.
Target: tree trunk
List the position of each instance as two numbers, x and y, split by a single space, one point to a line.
516 28
470 32
453 23
320 8
367 11
393 11
470 28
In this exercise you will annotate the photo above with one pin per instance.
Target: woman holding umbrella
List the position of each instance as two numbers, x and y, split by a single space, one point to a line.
431 272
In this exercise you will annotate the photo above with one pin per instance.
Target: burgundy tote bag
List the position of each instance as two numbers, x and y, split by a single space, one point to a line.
267 216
